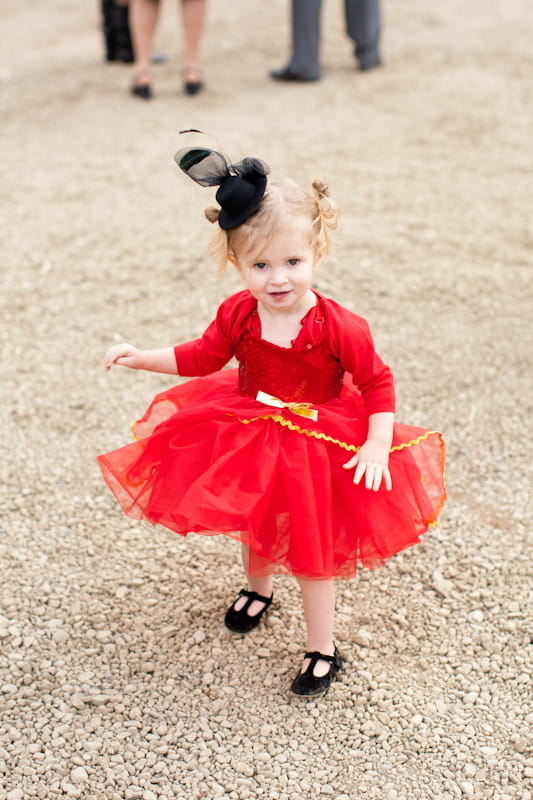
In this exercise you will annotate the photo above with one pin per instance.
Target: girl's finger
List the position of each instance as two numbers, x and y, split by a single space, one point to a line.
351 463
370 476
359 472
378 475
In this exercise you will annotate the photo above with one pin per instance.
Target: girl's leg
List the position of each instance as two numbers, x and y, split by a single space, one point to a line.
193 16
319 610
262 585
143 21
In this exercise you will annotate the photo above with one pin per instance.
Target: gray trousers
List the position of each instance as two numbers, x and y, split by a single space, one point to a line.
363 25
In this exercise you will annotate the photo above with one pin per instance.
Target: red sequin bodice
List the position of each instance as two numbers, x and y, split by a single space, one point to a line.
309 374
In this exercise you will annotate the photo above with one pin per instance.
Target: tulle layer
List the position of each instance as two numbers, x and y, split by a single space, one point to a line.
211 461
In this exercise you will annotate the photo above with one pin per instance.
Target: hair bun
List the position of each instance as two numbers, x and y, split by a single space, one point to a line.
212 214
321 188
326 207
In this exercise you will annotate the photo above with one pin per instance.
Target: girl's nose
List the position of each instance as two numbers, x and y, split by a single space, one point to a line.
278 276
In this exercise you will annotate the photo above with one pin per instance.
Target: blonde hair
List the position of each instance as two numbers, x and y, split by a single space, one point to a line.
284 200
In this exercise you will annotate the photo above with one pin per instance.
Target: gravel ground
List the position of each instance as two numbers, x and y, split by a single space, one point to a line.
117 679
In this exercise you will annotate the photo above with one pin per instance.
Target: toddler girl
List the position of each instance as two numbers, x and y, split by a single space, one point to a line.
294 453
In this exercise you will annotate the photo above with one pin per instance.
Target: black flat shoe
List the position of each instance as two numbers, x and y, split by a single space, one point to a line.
287 74
308 685
242 622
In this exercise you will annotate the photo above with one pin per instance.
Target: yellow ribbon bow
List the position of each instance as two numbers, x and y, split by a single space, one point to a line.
302 409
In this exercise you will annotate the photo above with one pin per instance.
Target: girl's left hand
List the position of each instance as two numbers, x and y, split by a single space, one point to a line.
371 460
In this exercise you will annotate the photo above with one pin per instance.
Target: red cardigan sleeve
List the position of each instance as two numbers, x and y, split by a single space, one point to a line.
352 342
216 346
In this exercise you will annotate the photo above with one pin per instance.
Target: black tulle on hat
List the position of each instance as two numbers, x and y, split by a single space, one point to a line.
241 185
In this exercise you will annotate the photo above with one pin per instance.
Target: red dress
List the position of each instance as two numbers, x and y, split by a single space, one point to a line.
212 458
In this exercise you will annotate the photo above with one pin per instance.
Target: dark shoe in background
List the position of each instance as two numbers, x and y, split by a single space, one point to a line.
368 57
288 74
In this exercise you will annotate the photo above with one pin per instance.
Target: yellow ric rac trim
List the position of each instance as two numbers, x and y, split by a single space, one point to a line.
353 448
433 520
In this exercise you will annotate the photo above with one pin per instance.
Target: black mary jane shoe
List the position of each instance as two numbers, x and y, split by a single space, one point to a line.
308 685
240 621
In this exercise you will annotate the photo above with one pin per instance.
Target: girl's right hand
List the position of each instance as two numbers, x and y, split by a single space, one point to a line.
125 355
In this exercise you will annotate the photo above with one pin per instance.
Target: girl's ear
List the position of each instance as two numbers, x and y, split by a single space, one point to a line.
319 255
232 258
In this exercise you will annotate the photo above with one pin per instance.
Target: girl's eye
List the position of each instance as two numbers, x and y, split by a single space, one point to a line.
293 261
260 265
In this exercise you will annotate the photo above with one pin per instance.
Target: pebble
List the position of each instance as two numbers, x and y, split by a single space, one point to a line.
362 638
78 775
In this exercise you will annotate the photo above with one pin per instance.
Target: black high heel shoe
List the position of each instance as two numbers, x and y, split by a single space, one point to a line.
241 621
142 90
192 86
308 685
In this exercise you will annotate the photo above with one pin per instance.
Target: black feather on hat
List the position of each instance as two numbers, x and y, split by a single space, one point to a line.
241 185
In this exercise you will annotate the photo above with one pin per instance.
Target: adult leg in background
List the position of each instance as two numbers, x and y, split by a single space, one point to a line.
304 63
363 25
193 17
143 20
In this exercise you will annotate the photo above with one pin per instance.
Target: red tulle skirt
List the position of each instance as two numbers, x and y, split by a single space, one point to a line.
210 460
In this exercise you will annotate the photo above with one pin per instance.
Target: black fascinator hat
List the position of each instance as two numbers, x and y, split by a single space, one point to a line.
241 185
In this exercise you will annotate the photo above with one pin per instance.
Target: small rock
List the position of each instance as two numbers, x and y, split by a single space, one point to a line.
15 794
363 638
78 775
476 616
519 743
263 652
99 699
243 768
441 585
467 788
78 700
489 751
71 790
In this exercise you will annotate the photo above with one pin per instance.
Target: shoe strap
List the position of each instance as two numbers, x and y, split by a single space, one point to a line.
315 656
254 596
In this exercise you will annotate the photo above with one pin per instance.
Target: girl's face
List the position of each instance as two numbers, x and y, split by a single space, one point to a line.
279 273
